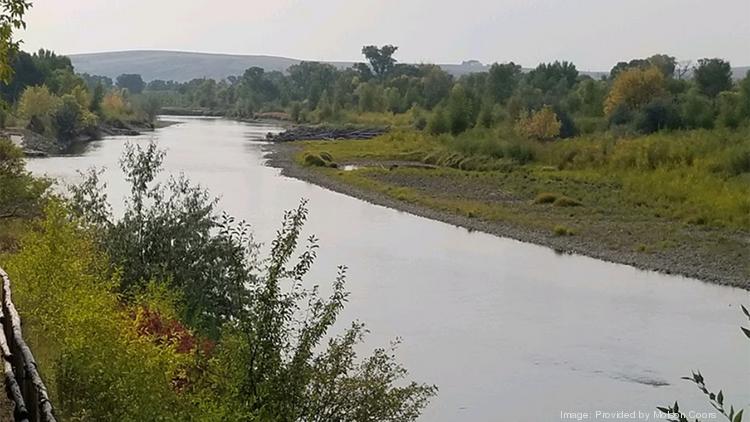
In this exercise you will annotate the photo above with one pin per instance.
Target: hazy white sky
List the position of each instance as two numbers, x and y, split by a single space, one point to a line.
594 34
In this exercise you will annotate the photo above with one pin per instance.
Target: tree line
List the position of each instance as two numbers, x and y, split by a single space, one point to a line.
551 100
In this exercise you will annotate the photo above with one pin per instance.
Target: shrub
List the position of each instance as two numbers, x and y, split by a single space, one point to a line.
564 201
738 160
275 359
315 160
96 365
66 119
21 195
37 104
546 198
657 115
438 123
561 230
697 111
542 125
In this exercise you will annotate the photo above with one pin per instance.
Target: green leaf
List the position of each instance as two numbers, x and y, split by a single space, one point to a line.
738 416
746 331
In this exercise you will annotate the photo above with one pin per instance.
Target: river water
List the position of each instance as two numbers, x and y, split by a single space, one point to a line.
508 331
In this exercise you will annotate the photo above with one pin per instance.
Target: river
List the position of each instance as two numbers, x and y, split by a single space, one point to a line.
507 330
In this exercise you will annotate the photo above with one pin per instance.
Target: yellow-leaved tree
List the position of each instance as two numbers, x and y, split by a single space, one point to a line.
635 88
542 124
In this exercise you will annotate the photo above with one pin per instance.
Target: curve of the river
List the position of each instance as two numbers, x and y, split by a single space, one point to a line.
508 331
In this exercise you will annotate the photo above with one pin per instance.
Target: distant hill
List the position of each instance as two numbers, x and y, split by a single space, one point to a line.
174 65
183 66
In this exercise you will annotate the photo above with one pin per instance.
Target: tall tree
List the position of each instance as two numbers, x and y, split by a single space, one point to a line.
502 79
713 76
132 82
381 59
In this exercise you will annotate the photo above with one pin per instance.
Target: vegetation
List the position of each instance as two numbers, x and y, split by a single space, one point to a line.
48 98
171 307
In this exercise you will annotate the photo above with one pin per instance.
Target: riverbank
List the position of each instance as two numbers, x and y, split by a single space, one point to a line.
621 236
37 145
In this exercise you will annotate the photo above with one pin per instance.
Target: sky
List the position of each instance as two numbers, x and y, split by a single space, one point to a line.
593 34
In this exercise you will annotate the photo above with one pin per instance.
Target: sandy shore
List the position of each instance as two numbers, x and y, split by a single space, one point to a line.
677 261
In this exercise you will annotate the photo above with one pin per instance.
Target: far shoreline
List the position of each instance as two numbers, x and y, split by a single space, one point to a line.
281 156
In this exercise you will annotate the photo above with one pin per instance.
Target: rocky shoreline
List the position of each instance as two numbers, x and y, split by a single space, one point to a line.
675 262
36 145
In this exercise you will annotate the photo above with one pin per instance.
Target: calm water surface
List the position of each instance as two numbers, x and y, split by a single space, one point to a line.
508 331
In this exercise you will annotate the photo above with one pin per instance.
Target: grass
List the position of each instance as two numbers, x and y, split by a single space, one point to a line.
665 191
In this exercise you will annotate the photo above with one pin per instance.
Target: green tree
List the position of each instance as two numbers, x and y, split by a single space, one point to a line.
438 122
729 108
713 76
436 85
370 97
96 99
20 193
150 106
66 120
548 76
11 20
37 105
25 74
132 82
744 89
502 80
697 110
665 63
459 110
381 59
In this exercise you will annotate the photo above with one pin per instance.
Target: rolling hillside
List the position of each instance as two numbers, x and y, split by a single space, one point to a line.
184 66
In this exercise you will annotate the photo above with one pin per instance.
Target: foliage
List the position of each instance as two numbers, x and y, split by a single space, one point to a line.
11 20
37 102
92 357
541 125
115 106
713 76
716 400
165 234
658 114
634 88
66 118
459 110
275 358
131 82
150 106
381 59
21 195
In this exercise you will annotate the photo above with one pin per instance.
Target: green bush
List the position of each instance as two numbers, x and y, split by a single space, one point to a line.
95 364
268 364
